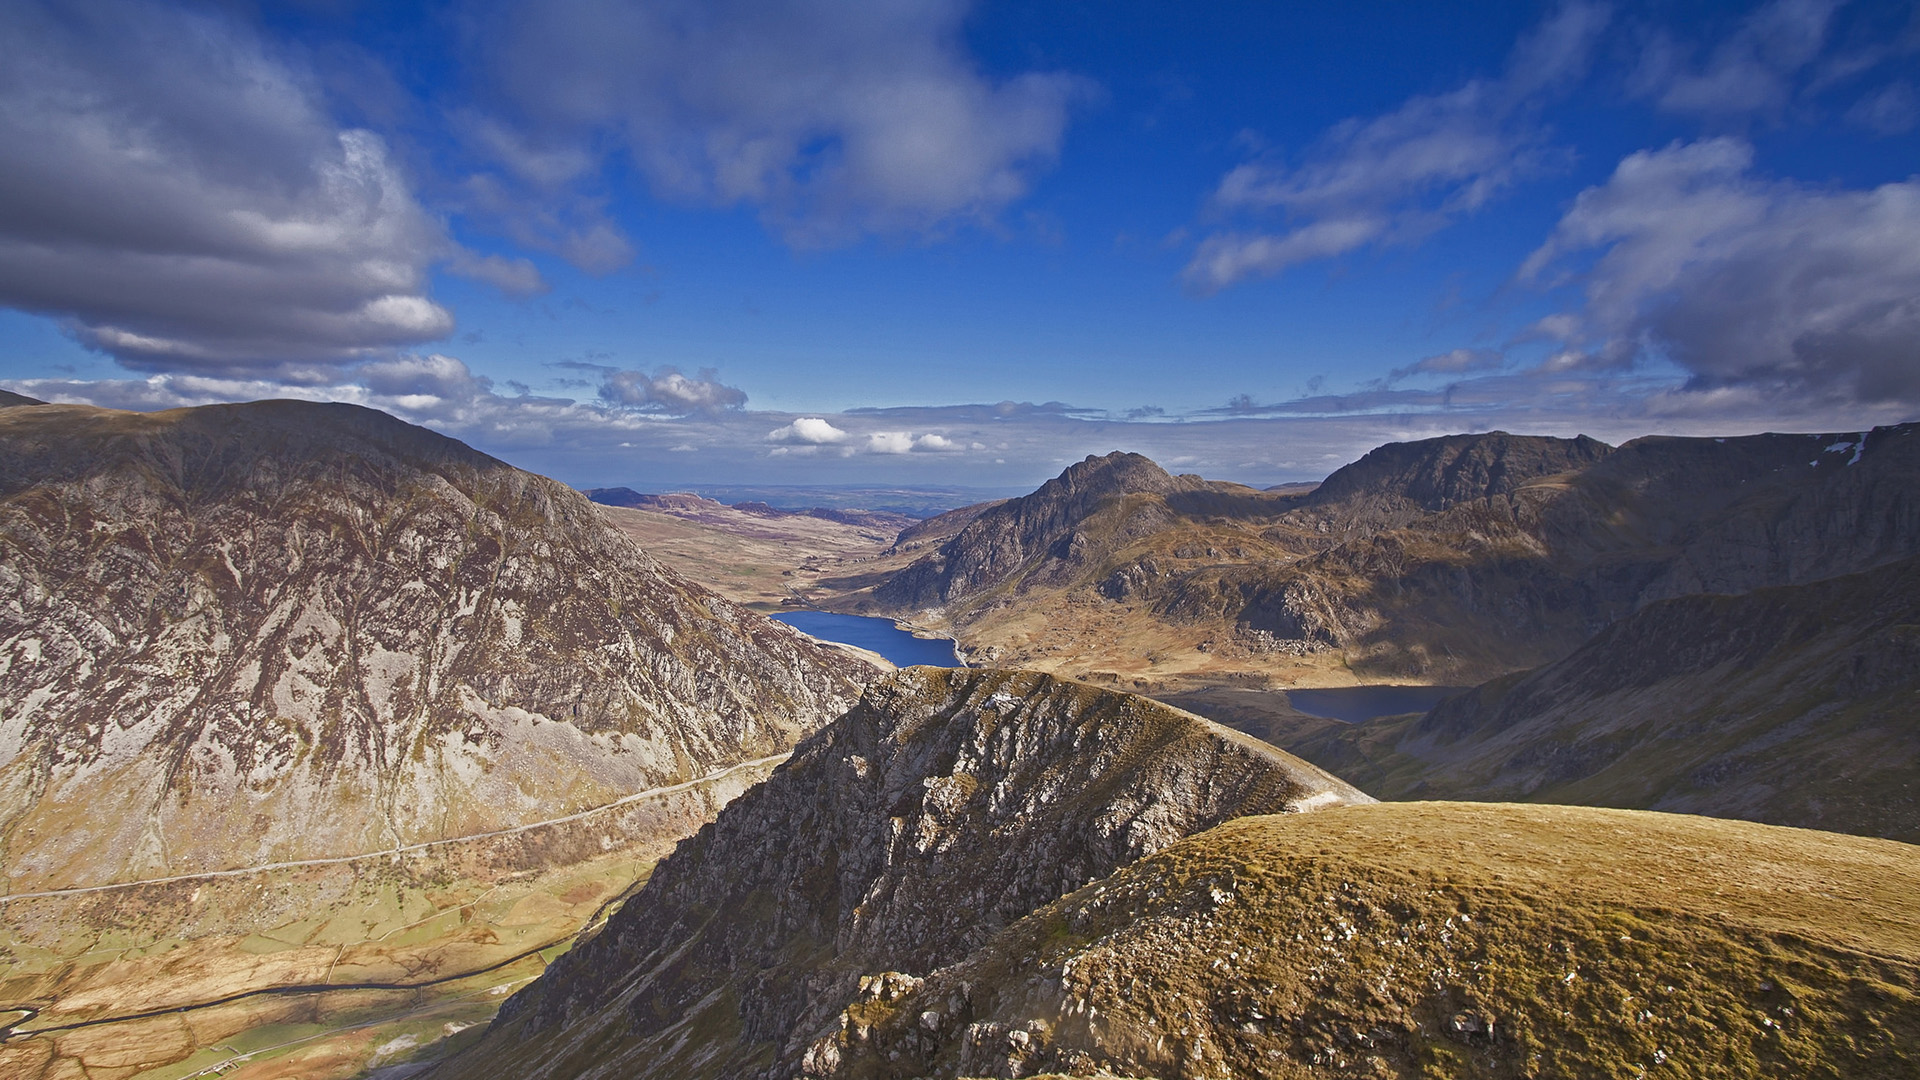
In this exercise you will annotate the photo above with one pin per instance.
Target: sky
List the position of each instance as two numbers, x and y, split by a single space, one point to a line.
668 243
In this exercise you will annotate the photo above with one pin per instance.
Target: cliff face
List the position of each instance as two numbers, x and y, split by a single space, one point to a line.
1796 705
241 634
944 806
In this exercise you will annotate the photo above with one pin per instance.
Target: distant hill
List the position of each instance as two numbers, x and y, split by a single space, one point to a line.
248 633
1795 705
946 805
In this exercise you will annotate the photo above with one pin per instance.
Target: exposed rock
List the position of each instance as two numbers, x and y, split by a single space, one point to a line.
943 807
242 634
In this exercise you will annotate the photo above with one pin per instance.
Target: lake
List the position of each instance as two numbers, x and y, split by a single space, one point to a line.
1355 704
879 635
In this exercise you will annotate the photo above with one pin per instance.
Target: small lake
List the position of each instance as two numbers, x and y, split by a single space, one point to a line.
1356 704
879 635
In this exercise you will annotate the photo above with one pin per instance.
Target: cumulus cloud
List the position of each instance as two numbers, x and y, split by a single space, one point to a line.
906 442
1683 254
174 191
808 431
670 391
832 119
1397 177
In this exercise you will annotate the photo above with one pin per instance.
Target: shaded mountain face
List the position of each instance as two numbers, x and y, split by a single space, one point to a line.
946 805
1797 705
1434 939
240 634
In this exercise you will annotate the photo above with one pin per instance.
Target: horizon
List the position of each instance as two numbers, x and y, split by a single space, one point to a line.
946 244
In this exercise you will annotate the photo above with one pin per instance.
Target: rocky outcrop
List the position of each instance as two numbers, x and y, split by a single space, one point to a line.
1797 705
244 634
946 805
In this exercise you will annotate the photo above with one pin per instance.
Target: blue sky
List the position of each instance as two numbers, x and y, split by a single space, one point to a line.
949 243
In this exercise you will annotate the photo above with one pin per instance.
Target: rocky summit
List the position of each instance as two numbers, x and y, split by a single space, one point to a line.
243 634
945 806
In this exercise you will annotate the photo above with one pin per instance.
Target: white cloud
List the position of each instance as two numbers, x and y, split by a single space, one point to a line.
1397 177
889 442
808 430
1683 254
670 391
187 204
831 118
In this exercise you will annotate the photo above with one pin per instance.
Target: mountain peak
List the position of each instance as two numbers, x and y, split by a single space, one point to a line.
1440 473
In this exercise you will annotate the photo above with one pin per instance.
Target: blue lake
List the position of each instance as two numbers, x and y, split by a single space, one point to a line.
1357 704
880 635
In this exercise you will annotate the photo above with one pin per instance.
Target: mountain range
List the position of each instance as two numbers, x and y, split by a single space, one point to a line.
1448 560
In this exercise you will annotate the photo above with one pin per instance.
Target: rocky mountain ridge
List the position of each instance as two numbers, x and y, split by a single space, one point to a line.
241 634
946 805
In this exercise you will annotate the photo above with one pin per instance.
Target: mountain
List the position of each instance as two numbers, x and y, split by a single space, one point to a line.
1434 940
1443 561
946 805
243 634
1526 574
1795 705
1398 481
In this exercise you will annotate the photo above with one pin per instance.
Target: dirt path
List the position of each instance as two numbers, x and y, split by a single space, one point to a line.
242 871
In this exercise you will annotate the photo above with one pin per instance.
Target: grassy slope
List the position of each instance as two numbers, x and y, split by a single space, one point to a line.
1449 940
